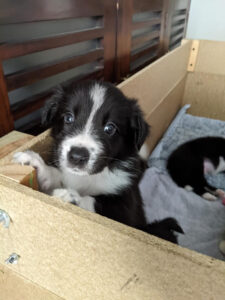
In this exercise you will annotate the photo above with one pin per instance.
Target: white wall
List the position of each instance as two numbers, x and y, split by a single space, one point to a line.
207 20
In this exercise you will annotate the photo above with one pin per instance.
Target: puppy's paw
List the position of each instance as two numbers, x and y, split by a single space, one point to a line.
33 159
28 158
209 197
67 195
220 193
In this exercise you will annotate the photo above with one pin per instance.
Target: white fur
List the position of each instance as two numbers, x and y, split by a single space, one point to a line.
144 152
81 140
209 197
86 138
188 188
221 166
97 94
71 196
77 188
48 177
105 182
220 193
208 166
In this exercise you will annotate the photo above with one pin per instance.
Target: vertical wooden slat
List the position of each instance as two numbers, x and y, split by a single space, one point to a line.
109 42
163 46
168 24
6 120
124 31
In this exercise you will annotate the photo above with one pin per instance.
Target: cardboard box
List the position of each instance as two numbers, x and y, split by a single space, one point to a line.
69 253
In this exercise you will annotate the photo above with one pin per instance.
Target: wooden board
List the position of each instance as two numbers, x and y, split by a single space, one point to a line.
80 255
25 175
15 287
12 141
206 94
152 84
211 58
39 144
161 117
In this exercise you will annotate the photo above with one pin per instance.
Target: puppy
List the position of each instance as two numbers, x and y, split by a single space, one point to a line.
190 162
96 165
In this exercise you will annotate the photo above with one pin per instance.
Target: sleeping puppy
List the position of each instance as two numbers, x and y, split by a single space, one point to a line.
190 162
96 165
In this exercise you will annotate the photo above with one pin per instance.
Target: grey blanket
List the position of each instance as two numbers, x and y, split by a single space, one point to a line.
202 221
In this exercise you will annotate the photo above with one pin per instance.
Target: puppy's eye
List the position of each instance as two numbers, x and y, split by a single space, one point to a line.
68 118
110 129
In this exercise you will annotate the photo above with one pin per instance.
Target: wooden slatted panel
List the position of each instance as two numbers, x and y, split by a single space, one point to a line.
146 5
33 103
11 50
178 11
139 34
33 11
102 53
177 28
145 43
28 76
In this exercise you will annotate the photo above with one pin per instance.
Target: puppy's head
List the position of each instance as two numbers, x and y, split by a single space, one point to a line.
94 125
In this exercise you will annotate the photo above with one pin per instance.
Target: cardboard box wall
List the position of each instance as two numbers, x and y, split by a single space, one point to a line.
68 253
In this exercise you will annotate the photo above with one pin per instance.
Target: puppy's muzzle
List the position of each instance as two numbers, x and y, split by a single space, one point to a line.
78 156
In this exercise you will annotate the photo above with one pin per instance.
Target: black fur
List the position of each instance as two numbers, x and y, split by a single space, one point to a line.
186 163
125 206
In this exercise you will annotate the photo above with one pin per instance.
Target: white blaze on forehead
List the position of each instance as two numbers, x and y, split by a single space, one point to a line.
97 94
86 138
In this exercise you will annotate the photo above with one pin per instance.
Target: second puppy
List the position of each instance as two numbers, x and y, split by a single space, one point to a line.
191 161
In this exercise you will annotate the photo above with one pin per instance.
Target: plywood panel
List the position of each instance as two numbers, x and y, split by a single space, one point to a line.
40 144
211 57
161 117
206 94
151 85
15 287
80 255
12 141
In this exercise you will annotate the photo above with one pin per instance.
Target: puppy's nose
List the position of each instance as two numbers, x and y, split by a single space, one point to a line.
78 156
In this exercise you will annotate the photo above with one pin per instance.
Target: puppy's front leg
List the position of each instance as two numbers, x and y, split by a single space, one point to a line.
49 178
72 196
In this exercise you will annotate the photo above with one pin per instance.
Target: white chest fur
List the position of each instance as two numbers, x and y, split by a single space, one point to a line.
105 182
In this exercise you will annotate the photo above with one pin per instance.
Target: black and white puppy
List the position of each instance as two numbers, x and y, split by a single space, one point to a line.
97 134
191 161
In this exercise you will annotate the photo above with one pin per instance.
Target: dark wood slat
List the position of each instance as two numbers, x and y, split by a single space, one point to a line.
144 64
124 27
144 52
179 17
180 12
140 40
178 25
32 11
10 50
147 5
177 33
26 77
147 23
164 38
109 42
33 103
175 42
6 120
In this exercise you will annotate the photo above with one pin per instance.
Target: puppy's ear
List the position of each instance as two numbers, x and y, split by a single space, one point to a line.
51 107
139 125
